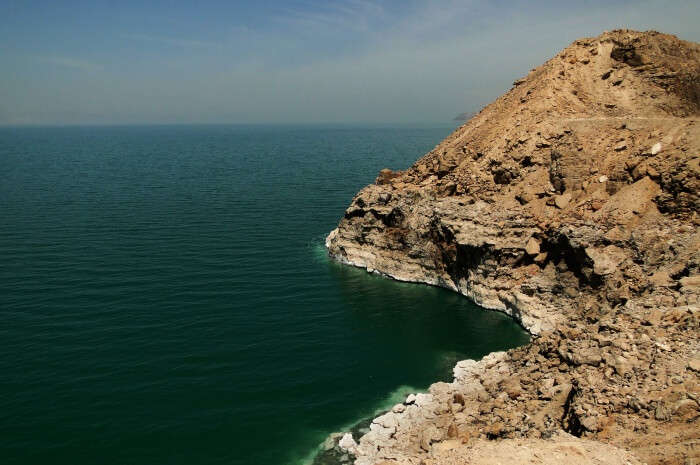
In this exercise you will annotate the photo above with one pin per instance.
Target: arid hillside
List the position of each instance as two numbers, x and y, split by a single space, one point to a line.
571 203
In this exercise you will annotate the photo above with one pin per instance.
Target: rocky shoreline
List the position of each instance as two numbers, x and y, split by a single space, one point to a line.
569 203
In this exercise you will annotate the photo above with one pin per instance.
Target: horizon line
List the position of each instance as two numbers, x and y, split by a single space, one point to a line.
446 122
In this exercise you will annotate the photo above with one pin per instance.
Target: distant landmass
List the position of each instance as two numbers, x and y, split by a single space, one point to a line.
464 116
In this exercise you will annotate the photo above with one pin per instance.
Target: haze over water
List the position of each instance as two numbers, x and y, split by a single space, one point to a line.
166 298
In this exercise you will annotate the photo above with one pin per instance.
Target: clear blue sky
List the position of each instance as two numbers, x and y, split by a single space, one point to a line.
131 62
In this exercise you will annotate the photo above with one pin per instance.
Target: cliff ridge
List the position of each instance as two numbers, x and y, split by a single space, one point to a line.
571 204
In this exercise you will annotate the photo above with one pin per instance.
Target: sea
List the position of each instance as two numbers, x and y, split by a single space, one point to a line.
166 297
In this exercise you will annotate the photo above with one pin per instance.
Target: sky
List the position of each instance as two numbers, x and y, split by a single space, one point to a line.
66 62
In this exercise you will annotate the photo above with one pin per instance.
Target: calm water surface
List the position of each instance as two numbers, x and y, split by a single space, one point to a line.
165 297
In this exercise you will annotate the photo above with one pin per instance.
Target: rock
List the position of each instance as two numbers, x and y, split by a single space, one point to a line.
631 200
410 399
691 282
398 408
562 201
384 197
622 365
423 399
331 441
525 197
386 176
590 423
656 148
570 291
605 261
452 431
603 179
388 420
661 279
495 430
546 389
661 412
620 147
636 404
597 204
430 434
532 247
662 346
581 356
684 407
347 443
512 388
547 383
694 365
589 356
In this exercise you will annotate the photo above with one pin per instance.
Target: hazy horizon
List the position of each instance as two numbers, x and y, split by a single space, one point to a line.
288 62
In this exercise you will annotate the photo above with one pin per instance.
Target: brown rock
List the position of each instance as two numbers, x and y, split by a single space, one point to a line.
452 431
590 423
606 260
685 407
694 365
532 247
513 388
691 282
562 201
386 176
661 279
622 365
429 435
661 413
495 430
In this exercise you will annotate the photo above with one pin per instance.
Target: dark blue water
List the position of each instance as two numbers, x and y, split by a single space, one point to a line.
165 297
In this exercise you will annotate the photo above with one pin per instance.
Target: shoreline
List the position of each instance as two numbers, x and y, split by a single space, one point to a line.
410 429
515 317
333 451
330 452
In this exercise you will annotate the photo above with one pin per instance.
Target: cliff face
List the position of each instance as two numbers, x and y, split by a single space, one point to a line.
570 203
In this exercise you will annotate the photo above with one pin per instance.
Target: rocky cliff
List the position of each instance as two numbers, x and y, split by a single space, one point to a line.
571 203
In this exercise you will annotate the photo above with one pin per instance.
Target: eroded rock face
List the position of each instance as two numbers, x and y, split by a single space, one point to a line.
571 204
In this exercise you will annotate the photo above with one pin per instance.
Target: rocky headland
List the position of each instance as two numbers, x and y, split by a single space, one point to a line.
570 203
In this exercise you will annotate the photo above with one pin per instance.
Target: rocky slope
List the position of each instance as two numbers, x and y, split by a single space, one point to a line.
571 203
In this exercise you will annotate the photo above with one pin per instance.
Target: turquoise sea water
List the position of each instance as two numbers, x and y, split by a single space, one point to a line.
165 297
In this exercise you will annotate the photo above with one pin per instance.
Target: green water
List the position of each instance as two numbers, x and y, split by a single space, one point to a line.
165 297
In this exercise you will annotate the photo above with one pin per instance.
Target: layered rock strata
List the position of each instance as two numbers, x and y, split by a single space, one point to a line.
570 203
